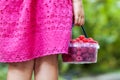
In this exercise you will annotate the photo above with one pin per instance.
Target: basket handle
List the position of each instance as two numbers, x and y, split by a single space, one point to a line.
84 31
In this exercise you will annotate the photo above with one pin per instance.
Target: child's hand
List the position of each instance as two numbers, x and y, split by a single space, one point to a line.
78 12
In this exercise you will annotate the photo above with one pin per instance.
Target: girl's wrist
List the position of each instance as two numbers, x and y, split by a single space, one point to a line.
77 0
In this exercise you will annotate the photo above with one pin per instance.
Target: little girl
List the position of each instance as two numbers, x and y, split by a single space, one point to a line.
33 33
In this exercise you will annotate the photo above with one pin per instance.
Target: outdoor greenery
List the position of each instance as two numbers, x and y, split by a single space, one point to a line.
102 22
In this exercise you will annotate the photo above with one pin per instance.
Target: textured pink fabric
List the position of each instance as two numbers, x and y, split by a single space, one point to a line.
34 28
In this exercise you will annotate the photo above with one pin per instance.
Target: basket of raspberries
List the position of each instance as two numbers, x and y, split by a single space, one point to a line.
81 50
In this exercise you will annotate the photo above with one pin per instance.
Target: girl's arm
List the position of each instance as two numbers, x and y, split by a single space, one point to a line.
78 12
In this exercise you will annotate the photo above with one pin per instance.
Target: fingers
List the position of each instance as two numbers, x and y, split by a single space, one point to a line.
79 20
82 21
78 14
76 20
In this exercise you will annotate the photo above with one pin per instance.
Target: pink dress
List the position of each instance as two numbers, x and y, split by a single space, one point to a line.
31 29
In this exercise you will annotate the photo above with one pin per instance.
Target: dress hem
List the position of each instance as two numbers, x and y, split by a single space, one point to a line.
38 56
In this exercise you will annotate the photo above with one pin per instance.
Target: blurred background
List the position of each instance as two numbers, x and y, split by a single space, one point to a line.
103 24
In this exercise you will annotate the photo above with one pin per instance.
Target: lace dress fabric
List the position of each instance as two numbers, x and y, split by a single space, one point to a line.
34 28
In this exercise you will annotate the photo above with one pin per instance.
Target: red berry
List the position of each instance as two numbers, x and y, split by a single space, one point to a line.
85 55
78 53
69 50
91 50
93 41
84 49
80 41
71 41
74 40
85 40
77 39
66 57
73 50
78 49
81 37
90 39
70 60
74 56
79 58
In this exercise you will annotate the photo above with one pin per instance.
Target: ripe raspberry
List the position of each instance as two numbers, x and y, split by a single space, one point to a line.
69 60
85 40
66 57
91 50
81 37
79 58
77 39
78 53
85 55
84 49
73 50
74 56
